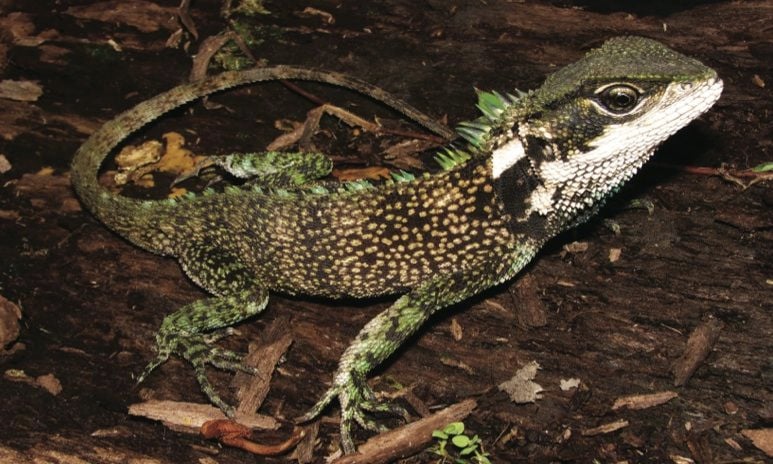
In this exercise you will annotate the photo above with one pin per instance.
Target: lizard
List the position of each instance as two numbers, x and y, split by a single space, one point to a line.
529 167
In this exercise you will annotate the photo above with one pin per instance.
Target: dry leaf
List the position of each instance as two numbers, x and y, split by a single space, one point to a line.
373 173
521 387
142 15
568 384
761 438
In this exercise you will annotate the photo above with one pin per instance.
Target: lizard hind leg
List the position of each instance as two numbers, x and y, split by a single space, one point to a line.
191 331
383 334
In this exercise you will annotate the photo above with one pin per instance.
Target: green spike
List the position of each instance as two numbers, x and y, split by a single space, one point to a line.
450 158
402 176
319 190
476 124
357 185
473 136
443 161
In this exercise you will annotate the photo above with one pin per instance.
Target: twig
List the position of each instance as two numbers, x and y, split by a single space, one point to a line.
407 440
252 389
184 15
732 175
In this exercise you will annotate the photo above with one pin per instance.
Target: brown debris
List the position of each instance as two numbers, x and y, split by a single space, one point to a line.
49 192
521 387
47 382
644 401
408 439
761 438
234 434
605 428
304 450
20 90
140 14
10 314
190 417
700 448
252 389
530 312
699 345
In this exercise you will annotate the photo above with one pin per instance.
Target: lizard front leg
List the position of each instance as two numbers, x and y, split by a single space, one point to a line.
382 336
188 332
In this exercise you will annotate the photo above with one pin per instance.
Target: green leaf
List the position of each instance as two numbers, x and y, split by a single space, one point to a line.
481 458
468 450
440 434
764 167
461 441
454 428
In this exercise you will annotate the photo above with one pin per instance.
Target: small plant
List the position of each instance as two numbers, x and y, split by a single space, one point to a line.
463 449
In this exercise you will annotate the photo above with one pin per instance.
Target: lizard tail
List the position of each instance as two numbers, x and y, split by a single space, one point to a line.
134 219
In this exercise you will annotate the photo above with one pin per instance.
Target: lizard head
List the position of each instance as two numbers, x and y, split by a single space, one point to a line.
592 125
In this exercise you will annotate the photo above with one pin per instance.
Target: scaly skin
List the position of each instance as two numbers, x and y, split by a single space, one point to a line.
534 166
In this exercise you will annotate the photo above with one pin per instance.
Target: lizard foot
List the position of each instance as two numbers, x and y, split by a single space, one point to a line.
356 399
198 350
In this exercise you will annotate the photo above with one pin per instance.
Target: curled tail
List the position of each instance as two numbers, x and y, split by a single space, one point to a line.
135 219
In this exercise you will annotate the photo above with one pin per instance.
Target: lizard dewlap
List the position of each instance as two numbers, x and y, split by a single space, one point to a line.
531 166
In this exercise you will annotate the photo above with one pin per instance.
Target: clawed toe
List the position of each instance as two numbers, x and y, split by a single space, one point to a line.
357 401
197 350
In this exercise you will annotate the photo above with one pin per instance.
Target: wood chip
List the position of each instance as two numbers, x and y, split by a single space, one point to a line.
761 438
699 345
644 401
457 332
606 428
20 90
5 165
189 417
10 314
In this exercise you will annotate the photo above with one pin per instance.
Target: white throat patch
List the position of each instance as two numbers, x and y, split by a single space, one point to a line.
620 150
506 156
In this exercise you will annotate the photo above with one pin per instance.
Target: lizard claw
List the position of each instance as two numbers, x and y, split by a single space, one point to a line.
197 350
356 399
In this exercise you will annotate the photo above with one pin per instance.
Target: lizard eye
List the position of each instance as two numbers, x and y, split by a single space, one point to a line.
619 98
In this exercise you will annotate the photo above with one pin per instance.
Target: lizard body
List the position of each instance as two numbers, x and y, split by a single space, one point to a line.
534 165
